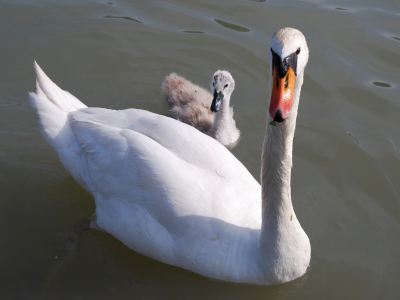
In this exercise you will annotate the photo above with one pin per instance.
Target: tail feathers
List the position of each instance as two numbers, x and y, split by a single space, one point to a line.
168 87
178 92
47 88
53 105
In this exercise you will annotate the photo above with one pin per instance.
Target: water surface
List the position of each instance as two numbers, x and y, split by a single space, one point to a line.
115 54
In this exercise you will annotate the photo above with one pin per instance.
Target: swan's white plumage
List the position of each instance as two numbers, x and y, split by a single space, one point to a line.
172 193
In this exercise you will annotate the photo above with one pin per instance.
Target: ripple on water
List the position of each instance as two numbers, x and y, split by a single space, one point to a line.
192 31
125 18
340 8
382 84
396 38
232 26
356 139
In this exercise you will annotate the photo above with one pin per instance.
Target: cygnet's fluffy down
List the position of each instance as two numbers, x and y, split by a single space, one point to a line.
208 112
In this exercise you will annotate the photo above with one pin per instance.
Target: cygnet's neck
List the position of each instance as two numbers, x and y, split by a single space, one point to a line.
224 127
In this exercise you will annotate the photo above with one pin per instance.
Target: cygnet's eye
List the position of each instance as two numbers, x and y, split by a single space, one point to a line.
298 51
226 85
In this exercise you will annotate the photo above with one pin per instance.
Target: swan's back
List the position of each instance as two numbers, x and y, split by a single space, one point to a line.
166 190
188 103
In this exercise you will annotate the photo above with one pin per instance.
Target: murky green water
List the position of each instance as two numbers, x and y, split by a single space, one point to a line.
115 54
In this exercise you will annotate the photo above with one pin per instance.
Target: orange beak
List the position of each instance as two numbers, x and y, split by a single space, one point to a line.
282 95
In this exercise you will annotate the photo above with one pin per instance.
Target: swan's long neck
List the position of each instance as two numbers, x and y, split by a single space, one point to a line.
224 127
278 217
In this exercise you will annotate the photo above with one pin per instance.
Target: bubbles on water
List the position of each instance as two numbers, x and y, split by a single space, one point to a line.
382 84
232 26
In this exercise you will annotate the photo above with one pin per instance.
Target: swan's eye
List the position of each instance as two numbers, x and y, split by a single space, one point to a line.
226 85
298 51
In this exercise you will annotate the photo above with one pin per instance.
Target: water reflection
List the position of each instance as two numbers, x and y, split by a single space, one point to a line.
356 139
192 31
125 18
382 84
232 26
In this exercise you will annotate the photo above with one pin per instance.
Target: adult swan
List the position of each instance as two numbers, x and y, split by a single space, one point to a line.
174 194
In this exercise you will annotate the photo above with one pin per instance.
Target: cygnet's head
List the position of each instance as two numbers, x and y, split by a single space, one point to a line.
222 84
288 58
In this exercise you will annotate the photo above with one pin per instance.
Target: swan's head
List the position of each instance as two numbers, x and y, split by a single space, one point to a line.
288 58
222 84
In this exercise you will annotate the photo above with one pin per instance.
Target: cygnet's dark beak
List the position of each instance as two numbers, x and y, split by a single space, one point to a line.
216 103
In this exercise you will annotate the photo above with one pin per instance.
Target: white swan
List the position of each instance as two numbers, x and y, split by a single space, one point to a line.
178 196
193 105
